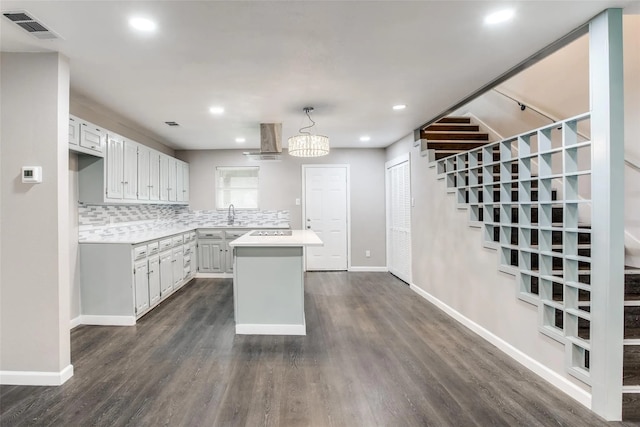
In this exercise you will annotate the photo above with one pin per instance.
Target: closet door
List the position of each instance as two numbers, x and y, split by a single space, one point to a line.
398 182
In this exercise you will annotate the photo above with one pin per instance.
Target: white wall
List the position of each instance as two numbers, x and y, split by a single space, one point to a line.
281 185
34 309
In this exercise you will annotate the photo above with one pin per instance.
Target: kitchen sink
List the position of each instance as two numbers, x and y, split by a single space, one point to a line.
271 233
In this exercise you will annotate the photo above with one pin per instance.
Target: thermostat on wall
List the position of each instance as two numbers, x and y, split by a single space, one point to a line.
32 174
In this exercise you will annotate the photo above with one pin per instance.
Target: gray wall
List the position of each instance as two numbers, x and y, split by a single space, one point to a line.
281 184
74 249
34 243
451 264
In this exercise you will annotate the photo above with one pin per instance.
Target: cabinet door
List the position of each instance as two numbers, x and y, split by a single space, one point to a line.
115 173
178 266
228 258
185 182
166 273
130 170
179 182
194 259
164 177
172 165
142 286
92 137
210 256
74 131
154 175
154 281
143 172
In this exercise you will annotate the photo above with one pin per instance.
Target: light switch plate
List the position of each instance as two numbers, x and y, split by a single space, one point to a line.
32 174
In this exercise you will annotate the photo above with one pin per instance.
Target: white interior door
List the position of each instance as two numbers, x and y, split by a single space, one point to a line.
325 212
398 183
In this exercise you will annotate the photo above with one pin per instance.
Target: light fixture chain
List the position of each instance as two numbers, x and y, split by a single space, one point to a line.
306 111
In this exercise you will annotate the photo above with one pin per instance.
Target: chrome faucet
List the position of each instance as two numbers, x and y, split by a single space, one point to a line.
231 215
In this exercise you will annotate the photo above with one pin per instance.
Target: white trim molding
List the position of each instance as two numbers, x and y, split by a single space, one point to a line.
75 322
372 269
580 395
36 378
260 329
213 276
107 320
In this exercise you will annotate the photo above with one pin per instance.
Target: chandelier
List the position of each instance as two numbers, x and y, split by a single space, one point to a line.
307 145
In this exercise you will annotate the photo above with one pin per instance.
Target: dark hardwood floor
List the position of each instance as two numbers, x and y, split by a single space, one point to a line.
375 354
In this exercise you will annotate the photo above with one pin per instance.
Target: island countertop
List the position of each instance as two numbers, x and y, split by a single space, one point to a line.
297 238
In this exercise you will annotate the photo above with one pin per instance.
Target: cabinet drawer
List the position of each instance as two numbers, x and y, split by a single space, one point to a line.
139 252
210 234
165 244
177 240
153 248
234 234
187 260
186 249
186 237
192 236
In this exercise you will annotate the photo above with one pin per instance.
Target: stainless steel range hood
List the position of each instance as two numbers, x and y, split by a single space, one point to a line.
270 143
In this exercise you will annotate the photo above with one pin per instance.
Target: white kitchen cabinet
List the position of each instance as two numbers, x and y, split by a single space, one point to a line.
210 256
178 267
120 170
230 235
166 273
185 182
141 280
172 169
74 132
92 137
164 178
115 166
144 175
130 170
121 282
154 176
154 280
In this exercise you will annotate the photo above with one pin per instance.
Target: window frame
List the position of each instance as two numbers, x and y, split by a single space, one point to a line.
218 188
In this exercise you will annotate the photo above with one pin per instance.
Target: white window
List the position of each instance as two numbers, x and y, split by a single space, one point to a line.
237 185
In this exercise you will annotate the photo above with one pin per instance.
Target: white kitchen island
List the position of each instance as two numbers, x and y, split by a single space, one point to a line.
268 282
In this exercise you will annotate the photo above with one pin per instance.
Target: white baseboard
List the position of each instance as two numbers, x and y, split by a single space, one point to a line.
536 367
369 269
213 276
107 320
75 322
36 378
260 329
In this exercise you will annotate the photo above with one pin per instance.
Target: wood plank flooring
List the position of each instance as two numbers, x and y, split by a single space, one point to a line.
376 354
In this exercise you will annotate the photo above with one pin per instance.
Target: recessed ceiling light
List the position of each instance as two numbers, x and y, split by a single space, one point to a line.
365 138
216 110
399 107
240 140
143 24
499 16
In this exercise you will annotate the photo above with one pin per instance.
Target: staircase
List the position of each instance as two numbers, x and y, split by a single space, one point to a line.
536 231
452 135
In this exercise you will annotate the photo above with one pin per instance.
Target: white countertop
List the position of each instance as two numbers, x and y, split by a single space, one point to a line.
136 237
297 238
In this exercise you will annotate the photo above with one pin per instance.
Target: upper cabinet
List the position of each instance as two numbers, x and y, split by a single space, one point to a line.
127 172
85 137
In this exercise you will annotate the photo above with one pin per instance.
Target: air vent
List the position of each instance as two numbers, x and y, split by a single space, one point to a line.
28 23
172 123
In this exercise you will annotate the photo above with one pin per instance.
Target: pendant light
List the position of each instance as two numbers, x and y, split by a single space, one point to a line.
307 145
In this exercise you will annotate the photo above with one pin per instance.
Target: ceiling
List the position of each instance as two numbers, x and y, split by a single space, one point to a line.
263 61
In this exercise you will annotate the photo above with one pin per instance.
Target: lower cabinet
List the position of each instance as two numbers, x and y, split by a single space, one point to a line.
121 282
214 253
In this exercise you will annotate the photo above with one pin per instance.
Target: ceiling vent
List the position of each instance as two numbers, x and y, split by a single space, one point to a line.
28 23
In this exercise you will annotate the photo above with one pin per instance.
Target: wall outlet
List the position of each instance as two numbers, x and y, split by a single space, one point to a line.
367 253
297 202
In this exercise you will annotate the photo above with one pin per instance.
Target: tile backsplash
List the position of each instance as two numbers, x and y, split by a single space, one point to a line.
122 219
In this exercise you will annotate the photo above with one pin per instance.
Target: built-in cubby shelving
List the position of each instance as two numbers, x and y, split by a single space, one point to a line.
531 195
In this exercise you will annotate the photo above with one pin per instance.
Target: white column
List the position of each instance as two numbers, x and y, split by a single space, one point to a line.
607 187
